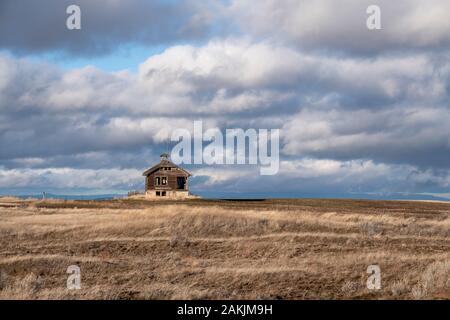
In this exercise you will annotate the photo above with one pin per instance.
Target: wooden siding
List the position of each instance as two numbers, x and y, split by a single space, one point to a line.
171 179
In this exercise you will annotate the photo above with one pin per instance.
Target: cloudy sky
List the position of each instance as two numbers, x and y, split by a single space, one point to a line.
361 113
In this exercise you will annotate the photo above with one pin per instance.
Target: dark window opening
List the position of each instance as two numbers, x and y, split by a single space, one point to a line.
163 194
181 183
158 193
160 181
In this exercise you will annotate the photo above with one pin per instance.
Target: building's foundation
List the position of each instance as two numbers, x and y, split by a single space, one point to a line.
168 194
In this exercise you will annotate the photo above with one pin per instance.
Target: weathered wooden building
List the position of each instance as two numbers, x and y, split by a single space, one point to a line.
166 179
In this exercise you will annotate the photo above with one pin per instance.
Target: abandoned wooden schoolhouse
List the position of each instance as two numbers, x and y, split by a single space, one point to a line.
166 179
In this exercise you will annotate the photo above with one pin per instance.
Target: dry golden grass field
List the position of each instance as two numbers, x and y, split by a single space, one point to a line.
201 249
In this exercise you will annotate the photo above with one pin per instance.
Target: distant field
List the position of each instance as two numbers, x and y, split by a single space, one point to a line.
205 249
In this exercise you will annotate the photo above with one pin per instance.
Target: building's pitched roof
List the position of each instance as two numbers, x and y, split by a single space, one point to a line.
164 163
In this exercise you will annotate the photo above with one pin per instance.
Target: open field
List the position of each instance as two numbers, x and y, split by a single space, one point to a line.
200 249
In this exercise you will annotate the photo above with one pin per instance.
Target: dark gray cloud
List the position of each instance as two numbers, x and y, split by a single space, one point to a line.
339 27
40 26
417 136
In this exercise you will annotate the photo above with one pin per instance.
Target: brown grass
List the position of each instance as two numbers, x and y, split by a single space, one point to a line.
275 249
